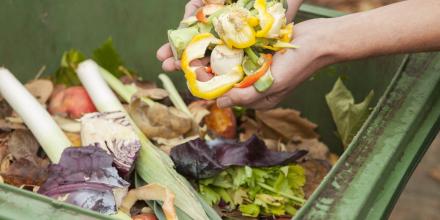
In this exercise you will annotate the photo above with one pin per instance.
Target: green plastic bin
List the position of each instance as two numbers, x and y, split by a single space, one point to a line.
366 181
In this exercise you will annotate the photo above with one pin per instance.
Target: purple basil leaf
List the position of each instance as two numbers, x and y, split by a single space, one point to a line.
84 177
196 159
254 153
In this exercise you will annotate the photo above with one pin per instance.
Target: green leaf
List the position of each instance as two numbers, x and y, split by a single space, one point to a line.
223 180
209 195
239 195
250 210
270 190
238 177
347 115
107 57
290 210
224 195
66 73
296 176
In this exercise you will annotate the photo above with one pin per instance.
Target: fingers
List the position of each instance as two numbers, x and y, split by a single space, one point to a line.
164 52
170 65
202 75
241 97
292 8
191 7
267 102
200 62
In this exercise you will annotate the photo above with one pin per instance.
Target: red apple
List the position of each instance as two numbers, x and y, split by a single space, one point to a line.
73 102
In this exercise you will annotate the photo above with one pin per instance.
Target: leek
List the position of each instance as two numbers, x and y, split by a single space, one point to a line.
153 166
174 94
124 91
36 118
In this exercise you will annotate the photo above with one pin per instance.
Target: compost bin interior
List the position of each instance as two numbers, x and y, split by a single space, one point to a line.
36 33
45 29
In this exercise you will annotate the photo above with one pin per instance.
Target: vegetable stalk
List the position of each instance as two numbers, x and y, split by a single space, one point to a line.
251 79
174 94
37 119
153 166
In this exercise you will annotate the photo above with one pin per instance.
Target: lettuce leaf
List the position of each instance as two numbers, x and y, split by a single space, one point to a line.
347 115
257 191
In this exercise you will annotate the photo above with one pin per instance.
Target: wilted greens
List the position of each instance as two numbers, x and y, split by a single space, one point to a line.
196 159
347 115
257 191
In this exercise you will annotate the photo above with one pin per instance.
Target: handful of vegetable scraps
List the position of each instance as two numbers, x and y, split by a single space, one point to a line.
240 38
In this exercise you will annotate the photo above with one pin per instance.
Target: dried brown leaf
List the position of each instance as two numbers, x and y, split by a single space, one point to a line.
144 84
248 127
154 93
151 192
5 109
21 165
286 124
4 138
275 145
22 171
157 120
41 89
22 144
166 144
316 149
9 126
199 110
333 158
435 173
315 171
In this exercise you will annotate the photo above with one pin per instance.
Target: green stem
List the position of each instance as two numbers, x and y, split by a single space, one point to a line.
174 94
294 198
252 55
125 92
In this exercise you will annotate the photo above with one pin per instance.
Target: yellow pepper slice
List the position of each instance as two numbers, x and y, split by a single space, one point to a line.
216 86
266 19
279 45
287 33
235 28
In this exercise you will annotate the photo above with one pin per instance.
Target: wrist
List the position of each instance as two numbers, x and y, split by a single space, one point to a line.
319 38
336 40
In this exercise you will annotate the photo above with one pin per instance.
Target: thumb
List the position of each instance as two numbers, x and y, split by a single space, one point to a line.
241 97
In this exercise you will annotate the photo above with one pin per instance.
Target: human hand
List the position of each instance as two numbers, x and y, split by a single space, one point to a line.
165 55
290 68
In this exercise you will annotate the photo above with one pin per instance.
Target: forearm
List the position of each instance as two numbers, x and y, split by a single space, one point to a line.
409 26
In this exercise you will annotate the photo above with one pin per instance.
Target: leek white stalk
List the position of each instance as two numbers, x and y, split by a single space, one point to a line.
98 90
153 166
36 118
